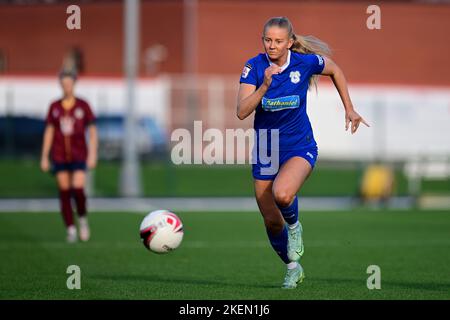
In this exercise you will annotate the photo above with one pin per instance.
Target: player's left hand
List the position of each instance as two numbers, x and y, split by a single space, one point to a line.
355 119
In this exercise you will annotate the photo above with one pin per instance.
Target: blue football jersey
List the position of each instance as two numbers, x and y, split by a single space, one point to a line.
283 107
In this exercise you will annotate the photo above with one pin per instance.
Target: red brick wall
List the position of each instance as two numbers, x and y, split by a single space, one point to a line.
35 38
411 48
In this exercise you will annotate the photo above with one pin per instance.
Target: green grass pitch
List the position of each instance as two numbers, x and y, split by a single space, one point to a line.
227 256
23 179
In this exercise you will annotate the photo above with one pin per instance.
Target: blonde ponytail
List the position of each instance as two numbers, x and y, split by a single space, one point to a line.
310 45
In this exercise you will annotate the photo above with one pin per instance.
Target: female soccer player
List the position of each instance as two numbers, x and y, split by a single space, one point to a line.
274 85
64 138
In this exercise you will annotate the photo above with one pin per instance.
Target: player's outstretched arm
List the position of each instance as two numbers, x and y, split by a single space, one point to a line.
249 98
46 145
337 76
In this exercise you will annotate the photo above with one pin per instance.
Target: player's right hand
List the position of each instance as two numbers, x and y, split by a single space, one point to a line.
45 164
269 72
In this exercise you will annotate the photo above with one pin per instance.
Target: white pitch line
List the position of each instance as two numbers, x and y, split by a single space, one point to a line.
205 204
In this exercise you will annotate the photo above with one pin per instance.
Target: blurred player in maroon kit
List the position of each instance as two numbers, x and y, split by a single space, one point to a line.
65 143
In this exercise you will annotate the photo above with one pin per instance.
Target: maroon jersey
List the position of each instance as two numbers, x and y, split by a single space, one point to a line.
69 141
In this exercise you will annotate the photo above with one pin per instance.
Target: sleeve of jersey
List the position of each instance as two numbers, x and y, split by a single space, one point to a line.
90 117
317 63
249 74
50 119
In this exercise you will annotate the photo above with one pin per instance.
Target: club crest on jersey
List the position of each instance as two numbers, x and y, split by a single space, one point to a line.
79 113
246 70
295 76
55 113
66 124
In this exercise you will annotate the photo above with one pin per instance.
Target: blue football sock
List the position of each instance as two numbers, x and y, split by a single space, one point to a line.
279 243
290 214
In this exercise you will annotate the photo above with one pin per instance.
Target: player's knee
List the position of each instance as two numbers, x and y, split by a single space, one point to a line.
77 186
64 186
283 198
78 182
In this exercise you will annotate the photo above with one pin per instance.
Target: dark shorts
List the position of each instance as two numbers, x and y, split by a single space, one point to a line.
68 166
309 154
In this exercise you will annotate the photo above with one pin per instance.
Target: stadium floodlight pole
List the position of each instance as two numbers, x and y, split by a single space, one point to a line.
190 36
190 8
130 183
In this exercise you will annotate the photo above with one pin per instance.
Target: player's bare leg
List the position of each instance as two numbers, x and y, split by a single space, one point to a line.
275 225
273 220
289 180
63 180
78 182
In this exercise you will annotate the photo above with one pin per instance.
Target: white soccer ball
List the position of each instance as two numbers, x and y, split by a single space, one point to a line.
161 231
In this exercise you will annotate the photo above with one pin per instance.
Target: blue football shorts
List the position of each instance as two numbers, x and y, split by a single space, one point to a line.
310 154
68 166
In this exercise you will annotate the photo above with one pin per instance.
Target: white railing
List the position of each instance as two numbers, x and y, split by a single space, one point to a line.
407 122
